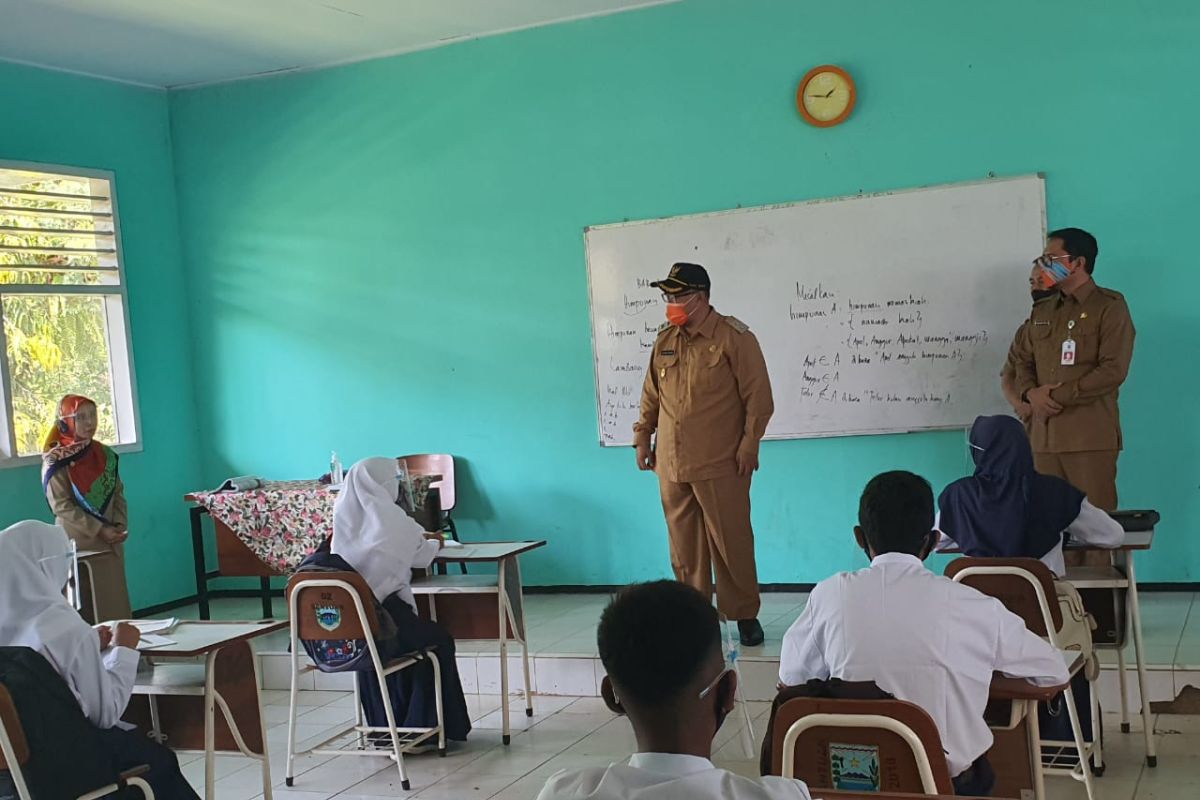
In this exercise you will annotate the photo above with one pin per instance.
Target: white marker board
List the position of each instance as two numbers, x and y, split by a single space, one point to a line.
876 313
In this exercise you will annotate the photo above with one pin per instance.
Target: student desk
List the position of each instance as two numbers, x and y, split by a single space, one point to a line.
210 665
1016 753
482 606
1118 576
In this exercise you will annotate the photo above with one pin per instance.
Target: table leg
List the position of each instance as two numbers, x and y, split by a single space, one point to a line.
210 727
506 736
1035 749
155 723
264 585
1135 611
518 626
198 561
1123 682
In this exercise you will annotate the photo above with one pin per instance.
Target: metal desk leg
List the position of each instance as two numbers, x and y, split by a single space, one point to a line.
198 560
520 628
210 727
1135 612
1123 682
1035 749
503 617
264 584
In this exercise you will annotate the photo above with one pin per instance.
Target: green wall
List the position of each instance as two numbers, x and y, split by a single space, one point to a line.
55 118
387 257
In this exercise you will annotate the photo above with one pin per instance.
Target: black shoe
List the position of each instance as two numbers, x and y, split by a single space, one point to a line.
750 632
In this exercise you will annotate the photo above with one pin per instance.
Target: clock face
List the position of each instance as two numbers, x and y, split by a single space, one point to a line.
826 96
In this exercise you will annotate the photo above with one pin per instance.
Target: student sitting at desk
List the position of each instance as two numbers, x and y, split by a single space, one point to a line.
1008 510
374 537
97 664
661 647
919 636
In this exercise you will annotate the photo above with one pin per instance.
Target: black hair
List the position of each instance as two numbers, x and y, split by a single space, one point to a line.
896 513
655 638
1079 244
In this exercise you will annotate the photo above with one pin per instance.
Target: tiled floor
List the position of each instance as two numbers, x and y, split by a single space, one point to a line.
573 732
565 625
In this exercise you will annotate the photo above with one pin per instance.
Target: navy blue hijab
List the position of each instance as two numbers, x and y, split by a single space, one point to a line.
1006 509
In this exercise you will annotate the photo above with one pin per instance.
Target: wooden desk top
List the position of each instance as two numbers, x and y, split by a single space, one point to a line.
1005 688
196 638
486 551
1134 540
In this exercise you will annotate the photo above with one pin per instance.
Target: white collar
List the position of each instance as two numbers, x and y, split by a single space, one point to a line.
677 764
903 559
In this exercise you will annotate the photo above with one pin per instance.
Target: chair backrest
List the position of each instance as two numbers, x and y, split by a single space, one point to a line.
12 730
331 605
435 464
863 745
1024 585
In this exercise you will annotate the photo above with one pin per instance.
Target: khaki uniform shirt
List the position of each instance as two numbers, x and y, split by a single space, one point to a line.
1103 333
79 524
706 394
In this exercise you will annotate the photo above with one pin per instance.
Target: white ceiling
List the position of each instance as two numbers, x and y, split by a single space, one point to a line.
181 42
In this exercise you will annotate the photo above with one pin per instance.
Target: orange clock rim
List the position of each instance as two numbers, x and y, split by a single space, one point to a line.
840 118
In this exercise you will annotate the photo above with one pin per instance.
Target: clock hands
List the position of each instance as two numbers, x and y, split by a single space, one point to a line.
824 96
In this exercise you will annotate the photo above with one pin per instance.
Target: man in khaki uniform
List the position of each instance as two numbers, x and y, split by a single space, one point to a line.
707 396
1069 361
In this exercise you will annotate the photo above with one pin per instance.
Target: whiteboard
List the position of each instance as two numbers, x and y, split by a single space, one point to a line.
876 313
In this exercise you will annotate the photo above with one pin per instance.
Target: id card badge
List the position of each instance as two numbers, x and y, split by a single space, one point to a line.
1068 353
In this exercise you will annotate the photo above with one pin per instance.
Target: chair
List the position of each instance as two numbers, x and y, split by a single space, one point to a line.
339 606
14 753
438 464
814 737
1026 588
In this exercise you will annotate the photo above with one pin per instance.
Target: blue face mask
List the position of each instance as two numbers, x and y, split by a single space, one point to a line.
1053 272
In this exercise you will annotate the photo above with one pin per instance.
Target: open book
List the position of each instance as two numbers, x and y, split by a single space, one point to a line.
243 484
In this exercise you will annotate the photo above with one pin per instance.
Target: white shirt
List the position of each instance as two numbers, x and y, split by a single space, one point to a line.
923 638
1092 526
374 535
667 776
34 562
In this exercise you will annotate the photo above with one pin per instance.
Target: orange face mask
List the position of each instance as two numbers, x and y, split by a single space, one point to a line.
677 314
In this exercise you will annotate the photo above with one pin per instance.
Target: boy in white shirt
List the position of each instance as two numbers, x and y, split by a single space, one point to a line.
661 646
920 636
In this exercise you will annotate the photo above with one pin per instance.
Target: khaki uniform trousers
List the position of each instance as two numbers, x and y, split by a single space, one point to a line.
708 523
1093 472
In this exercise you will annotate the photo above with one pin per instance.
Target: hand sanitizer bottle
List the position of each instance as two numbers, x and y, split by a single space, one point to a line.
335 469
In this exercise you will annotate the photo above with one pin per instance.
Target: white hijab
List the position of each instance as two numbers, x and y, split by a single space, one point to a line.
375 535
34 566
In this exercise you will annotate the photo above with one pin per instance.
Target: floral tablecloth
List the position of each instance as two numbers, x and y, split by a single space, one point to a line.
282 522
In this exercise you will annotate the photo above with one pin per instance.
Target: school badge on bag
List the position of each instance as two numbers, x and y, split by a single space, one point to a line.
328 617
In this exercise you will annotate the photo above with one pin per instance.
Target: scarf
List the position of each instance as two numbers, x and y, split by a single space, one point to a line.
91 466
372 533
1006 509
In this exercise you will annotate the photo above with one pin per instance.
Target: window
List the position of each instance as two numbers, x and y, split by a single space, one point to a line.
62 303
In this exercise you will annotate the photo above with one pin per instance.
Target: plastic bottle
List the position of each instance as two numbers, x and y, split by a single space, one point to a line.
335 469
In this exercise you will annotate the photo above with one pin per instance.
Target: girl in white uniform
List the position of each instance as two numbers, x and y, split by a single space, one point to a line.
98 665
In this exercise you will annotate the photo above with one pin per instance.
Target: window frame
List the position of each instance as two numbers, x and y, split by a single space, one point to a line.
121 367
